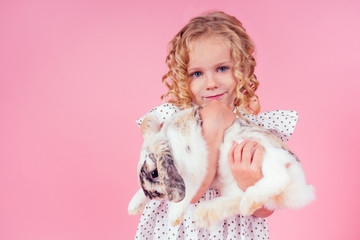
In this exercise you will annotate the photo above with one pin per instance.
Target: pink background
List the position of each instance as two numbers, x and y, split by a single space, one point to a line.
75 75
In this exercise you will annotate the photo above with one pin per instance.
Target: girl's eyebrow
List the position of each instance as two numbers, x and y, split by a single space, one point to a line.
227 62
223 63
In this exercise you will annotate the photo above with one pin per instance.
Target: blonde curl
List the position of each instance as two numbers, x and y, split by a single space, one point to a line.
241 48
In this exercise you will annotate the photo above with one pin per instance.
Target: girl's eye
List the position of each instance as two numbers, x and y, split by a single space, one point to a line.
222 69
196 74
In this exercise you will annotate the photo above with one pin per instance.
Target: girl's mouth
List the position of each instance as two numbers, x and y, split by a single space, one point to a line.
213 97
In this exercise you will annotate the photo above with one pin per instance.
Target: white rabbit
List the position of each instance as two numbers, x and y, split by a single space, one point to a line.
173 163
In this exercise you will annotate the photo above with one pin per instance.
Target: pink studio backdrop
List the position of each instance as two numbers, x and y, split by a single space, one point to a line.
75 75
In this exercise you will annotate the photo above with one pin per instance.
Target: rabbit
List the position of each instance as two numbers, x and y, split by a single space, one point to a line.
173 163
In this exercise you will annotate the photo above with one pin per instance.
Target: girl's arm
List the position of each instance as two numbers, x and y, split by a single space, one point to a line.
245 160
216 117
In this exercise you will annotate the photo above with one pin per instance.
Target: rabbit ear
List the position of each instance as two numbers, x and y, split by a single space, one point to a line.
196 112
173 182
149 126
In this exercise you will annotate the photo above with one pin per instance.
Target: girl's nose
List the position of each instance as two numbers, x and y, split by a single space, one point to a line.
211 82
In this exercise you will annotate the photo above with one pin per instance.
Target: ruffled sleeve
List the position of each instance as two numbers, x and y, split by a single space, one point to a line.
281 123
162 112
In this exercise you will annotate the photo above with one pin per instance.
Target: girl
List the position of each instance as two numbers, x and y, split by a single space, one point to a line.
211 64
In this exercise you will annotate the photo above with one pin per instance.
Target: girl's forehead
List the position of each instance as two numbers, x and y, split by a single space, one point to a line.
204 39
208 52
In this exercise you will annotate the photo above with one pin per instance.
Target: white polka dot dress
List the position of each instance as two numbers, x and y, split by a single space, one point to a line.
154 223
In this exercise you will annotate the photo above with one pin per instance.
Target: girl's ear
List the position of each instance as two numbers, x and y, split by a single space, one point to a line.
149 126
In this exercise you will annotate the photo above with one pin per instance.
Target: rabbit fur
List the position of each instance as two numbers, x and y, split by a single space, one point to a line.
173 163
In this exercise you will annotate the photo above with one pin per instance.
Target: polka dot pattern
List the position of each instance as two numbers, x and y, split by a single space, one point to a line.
154 223
280 123
162 112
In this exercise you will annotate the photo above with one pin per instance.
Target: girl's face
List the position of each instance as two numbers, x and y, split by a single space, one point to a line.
210 72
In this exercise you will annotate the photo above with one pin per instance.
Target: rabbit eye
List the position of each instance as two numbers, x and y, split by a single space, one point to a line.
154 174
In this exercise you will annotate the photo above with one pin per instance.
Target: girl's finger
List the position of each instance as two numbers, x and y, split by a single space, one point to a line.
238 152
258 157
231 154
247 153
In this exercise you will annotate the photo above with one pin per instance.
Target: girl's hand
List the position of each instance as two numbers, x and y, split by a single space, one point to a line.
245 160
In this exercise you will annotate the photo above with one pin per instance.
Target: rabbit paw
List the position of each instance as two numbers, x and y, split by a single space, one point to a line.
206 216
136 208
245 206
175 217
248 206
137 203
255 206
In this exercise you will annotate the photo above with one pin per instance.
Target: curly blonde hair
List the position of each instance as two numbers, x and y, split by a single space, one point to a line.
241 50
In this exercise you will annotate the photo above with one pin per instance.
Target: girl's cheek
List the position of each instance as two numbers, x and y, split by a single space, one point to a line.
193 93
195 87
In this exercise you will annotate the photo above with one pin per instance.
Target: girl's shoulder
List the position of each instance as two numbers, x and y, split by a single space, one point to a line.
281 123
162 112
